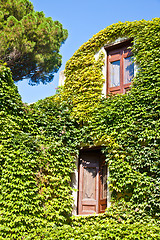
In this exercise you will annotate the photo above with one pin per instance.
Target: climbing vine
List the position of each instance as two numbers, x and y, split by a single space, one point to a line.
84 78
40 142
37 147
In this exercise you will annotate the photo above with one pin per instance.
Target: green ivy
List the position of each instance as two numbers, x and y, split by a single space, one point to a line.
40 142
84 79
126 125
117 223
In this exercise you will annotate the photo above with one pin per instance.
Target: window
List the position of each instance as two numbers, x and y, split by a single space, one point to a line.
92 182
120 67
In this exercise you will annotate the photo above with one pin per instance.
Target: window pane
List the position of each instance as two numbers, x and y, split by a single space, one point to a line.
115 74
128 69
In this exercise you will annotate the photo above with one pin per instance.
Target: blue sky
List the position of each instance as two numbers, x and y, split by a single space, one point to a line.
83 19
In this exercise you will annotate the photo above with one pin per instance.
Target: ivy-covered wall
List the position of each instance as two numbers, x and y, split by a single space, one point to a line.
84 78
40 142
37 148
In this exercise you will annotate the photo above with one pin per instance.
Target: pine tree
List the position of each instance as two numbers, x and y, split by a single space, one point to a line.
29 42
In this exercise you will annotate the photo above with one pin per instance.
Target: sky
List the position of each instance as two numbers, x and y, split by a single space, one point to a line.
83 19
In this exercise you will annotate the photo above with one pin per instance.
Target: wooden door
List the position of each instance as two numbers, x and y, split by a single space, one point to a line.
90 185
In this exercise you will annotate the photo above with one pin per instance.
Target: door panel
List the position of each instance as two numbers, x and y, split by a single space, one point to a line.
88 182
103 182
103 188
89 188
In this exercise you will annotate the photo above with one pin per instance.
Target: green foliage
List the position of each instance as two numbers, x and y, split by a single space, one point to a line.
19 203
29 41
117 223
126 125
37 148
84 78
58 141
39 144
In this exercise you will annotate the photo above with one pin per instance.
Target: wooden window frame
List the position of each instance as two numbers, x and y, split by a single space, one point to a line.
118 52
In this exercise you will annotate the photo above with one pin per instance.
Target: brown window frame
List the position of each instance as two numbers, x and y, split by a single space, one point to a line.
118 52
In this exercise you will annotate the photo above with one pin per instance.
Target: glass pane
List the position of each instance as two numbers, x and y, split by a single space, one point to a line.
115 74
89 183
128 69
104 182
